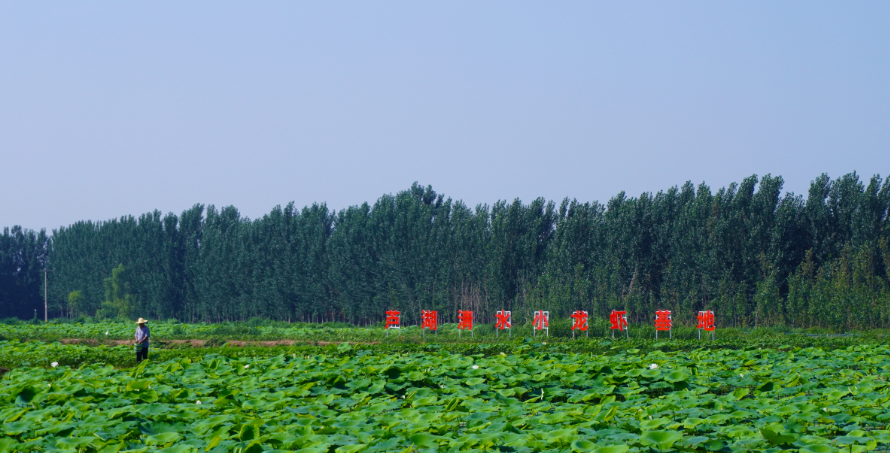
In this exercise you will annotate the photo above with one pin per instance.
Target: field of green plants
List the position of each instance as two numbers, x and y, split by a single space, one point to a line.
118 330
522 395
261 330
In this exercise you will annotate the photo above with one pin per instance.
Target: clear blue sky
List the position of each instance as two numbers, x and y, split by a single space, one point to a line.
118 108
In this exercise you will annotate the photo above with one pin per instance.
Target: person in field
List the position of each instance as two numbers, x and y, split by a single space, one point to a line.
142 334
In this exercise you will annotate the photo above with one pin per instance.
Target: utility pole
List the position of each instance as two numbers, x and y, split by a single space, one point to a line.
45 305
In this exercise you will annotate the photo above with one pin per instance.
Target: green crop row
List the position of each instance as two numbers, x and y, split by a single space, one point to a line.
38 353
560 330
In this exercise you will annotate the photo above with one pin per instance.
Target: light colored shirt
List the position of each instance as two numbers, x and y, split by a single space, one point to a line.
142 332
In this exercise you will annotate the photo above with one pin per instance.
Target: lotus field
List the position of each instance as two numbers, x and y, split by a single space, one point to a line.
113 330
533 397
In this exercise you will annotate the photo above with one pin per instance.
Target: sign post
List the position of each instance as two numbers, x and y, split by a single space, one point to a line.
542 322
429 320
465 322
393 321
505 321
663 322
618 319
579 321
706 321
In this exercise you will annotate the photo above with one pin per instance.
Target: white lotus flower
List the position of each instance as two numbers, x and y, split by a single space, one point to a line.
475 367
246 366
545 342
198 402
106 332
825 409
741 375
654 366
54 364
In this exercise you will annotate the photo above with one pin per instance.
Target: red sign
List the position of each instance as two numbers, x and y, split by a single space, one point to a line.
465 319
503 320
579 320
663 320
618 320
541 320
706 320
392 319
429 320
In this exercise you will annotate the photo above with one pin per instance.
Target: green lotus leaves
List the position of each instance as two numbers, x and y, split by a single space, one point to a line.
277 374
425 401
677 376
138 385
365 398
653 424
741 393
249 431
611 449
660 439
254 447
162 438
776 437
819 449
424 440
25 396
74 442
853 440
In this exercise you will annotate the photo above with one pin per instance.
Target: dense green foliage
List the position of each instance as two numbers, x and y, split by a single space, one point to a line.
532 399
23 257
749 253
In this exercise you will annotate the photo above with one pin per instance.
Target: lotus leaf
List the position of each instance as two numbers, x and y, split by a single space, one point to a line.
660 439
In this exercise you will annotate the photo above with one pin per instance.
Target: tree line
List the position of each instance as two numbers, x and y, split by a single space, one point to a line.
750 253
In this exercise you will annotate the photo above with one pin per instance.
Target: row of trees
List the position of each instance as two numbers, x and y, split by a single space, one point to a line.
23 257
749 252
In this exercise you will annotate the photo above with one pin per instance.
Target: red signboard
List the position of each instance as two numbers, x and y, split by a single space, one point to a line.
392 319
706 320
662 320
541 320
503 320
618 319
429 320
579 320
465 319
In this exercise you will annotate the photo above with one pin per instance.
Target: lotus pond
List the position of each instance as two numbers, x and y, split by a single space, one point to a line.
531 399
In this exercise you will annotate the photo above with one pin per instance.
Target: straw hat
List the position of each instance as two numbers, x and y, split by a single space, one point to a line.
141 321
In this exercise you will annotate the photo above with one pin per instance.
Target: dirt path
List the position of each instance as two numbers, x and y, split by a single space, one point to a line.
195 343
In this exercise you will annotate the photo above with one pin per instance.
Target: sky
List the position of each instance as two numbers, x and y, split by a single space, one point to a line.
116 108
